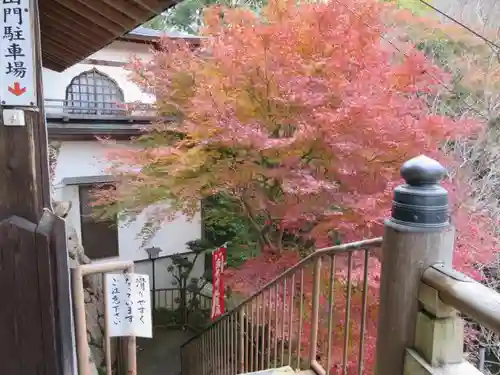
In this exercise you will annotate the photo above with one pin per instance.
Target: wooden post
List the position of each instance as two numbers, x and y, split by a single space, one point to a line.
81 322
25 188
417 235
27 331
35 328
439 334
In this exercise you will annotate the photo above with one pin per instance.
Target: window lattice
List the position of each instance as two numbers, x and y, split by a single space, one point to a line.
93 93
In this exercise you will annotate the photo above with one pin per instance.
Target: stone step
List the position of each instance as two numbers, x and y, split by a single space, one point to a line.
281 371
287 370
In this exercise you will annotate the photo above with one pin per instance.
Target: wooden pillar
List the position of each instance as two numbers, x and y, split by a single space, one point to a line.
33 260
417 235
25 188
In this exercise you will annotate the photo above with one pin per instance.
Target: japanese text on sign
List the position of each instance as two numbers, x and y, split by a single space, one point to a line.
128 305
17 79
218 258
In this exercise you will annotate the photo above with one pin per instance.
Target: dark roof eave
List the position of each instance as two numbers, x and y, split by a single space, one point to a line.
155 39
66 38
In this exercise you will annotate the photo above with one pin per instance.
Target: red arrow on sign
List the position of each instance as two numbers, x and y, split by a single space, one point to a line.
17 90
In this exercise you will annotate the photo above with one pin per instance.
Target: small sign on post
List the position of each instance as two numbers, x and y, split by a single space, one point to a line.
218 259
17 74
129 305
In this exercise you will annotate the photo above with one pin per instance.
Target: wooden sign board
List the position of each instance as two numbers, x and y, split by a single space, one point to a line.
17 67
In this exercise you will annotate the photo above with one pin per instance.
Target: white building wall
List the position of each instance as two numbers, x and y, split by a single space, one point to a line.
88 158
54 83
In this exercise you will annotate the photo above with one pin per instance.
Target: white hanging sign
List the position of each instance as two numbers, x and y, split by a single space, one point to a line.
17 62
128 305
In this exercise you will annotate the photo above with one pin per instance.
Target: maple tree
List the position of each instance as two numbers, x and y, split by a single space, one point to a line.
300 118
284 122
473 91
472 59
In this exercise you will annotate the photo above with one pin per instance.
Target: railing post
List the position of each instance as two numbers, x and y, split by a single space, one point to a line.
241 357
439 336
417 235
439 333
315 311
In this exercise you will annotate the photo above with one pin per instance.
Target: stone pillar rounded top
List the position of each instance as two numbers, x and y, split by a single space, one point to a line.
421 203
422 170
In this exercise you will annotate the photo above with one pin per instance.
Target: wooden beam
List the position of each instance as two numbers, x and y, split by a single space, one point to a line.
466 295
131 11
119 64
110 13
60 50
92 17
158 6
71 29
66 17
53 62
145 6
85 27
90 137
76 28
56 29
70 49
47 63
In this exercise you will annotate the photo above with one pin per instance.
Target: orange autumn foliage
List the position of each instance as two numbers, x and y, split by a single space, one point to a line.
302 117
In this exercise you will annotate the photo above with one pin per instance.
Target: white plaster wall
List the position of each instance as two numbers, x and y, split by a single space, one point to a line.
88 158
121 51
54 83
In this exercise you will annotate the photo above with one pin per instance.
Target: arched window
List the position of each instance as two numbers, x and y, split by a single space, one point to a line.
93 93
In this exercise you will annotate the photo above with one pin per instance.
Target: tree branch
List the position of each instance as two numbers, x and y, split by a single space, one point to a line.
260 229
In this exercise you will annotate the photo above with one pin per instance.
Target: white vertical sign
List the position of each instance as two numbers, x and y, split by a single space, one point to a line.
17 61
129 305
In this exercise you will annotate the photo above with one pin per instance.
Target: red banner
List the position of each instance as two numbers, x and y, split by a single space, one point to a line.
218 260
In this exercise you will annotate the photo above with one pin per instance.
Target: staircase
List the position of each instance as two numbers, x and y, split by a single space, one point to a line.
318 316
290 325
287 370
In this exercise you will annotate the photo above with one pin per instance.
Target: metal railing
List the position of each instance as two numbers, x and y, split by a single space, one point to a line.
304 319
82 347
96 109
190 310
169 298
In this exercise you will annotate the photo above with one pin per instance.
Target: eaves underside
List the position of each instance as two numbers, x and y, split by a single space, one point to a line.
72 131
72 30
